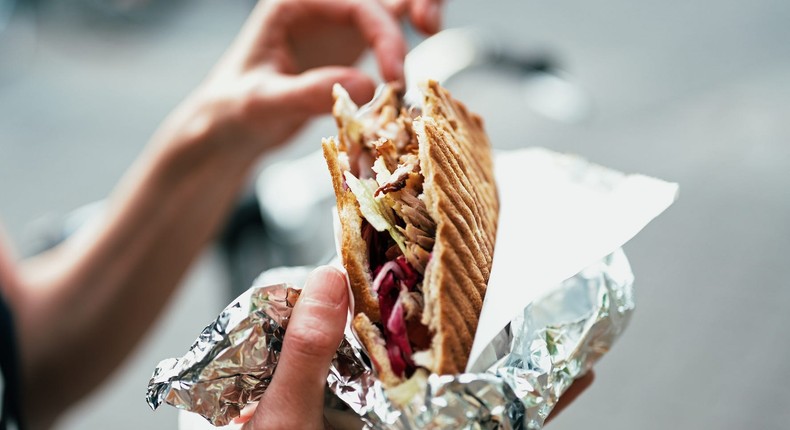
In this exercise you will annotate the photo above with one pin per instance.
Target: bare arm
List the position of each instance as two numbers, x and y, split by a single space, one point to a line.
83 306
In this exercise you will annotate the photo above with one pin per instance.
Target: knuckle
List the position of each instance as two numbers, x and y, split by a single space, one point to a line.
253 101
285 10
309 340
249 106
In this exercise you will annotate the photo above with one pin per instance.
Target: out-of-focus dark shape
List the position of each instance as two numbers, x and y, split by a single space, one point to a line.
547 89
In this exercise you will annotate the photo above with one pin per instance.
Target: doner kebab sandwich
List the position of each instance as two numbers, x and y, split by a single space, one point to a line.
418 209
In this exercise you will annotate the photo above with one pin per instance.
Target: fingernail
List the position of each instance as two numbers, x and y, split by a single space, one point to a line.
326 285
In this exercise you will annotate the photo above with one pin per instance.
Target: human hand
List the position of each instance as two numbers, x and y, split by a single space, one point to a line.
280 70
295 396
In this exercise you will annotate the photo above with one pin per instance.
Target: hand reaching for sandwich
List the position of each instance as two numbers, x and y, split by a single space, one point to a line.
279 71
295 397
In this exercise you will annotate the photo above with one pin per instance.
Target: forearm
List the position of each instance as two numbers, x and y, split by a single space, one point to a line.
85 304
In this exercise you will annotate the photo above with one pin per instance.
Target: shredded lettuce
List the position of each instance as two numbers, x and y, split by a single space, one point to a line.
374 210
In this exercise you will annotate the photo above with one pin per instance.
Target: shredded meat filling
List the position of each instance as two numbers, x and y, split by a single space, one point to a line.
384 147
419 229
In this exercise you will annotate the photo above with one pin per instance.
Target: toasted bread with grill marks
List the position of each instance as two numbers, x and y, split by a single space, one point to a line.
461 197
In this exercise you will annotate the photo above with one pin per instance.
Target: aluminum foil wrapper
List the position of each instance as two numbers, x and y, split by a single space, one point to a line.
232 361
532 361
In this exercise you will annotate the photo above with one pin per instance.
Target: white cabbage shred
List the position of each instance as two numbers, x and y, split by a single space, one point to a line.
373 209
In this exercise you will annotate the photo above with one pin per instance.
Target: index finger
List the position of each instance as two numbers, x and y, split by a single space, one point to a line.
383 34
426 15
379 27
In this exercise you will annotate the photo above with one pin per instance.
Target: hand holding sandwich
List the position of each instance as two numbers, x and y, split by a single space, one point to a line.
295 397
282 65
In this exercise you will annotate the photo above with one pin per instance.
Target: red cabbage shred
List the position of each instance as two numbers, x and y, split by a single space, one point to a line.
390 279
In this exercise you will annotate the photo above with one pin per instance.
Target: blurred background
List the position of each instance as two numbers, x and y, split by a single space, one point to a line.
696 92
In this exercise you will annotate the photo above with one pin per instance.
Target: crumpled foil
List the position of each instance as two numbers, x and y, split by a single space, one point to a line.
232 361
535 358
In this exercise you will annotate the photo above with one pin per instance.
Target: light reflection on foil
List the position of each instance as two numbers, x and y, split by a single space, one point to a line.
555 340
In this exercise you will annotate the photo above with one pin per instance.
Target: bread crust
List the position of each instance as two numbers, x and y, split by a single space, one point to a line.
353 249
373 341
461 196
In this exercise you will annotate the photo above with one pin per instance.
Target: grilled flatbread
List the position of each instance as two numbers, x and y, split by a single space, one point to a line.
418 206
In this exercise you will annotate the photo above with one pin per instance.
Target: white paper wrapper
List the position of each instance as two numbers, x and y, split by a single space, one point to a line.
559 295
560 214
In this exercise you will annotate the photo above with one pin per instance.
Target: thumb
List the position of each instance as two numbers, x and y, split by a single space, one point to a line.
312 89
295 397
